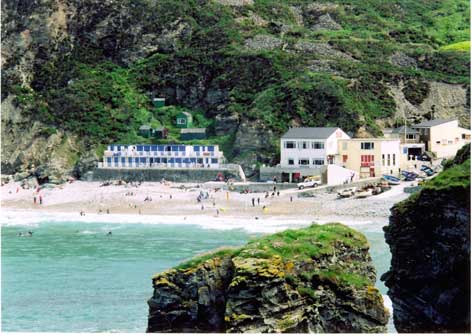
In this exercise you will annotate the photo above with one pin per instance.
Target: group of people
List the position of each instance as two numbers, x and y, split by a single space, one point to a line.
36 199
25 234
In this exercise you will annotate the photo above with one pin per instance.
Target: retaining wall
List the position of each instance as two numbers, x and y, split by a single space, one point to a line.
173 175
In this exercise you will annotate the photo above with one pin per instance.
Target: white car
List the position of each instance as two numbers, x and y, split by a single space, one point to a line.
308 183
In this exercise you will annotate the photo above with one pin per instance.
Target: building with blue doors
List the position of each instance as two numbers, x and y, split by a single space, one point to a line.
162 156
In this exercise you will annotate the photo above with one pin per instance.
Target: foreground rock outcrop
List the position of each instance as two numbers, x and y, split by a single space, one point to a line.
429 237
318 279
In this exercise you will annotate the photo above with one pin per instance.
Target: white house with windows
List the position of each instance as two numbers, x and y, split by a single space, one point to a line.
443 137
310 147
162 156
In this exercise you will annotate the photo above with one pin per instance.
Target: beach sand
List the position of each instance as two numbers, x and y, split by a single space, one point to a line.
173 204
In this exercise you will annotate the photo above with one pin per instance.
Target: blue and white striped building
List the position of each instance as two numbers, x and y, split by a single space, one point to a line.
162 156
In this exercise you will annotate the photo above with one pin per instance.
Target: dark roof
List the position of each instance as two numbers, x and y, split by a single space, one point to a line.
309 133
401 130
431 123
145 127
193 130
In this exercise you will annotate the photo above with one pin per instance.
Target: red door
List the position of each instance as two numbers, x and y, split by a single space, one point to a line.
372 171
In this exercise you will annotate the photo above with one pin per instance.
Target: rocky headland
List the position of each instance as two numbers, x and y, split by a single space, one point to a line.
429 237
318 279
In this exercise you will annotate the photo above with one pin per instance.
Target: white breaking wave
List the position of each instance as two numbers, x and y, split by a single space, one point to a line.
11 217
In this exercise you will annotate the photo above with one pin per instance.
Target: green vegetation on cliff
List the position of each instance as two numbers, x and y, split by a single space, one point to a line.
290 247
455 177
284 63
272 284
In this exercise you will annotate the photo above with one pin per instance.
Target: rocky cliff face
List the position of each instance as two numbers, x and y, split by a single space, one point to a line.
318 279
429 237
251 68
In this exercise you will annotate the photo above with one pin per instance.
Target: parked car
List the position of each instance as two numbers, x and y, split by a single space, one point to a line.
309 182
427 170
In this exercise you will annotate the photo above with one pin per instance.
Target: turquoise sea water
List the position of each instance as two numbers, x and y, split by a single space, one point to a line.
73 277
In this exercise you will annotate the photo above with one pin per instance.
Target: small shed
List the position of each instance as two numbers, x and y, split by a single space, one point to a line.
192 133
184 120
145 131
161 133
159 102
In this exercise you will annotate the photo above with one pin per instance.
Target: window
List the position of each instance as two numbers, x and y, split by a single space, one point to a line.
290 144
344 145
393 159
291 162
303 162
410 136
180 121
214 160
344 158
304 145
317 145
444 141
438 142
318 162
388 159
383 159
367 160
367 145
449 142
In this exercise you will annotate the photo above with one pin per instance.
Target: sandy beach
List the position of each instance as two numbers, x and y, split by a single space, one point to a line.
177 203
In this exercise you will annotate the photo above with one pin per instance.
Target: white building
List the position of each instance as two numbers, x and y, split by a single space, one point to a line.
443 137
162 156
310 147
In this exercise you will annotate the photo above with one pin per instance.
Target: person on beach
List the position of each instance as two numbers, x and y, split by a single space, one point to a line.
291 198
34 199
203 207
258 201
267 194
217 212
170 196
40 200
108 211
278 193
17 189
253 202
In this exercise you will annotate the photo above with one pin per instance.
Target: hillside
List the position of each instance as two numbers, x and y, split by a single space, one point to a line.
78 75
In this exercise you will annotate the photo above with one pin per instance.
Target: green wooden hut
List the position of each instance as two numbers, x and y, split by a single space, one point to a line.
184 120
145 131
159 102
192 133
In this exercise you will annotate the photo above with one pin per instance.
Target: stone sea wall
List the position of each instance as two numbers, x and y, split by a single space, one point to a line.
173 175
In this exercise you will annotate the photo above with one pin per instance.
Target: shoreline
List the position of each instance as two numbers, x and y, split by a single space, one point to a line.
171 204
